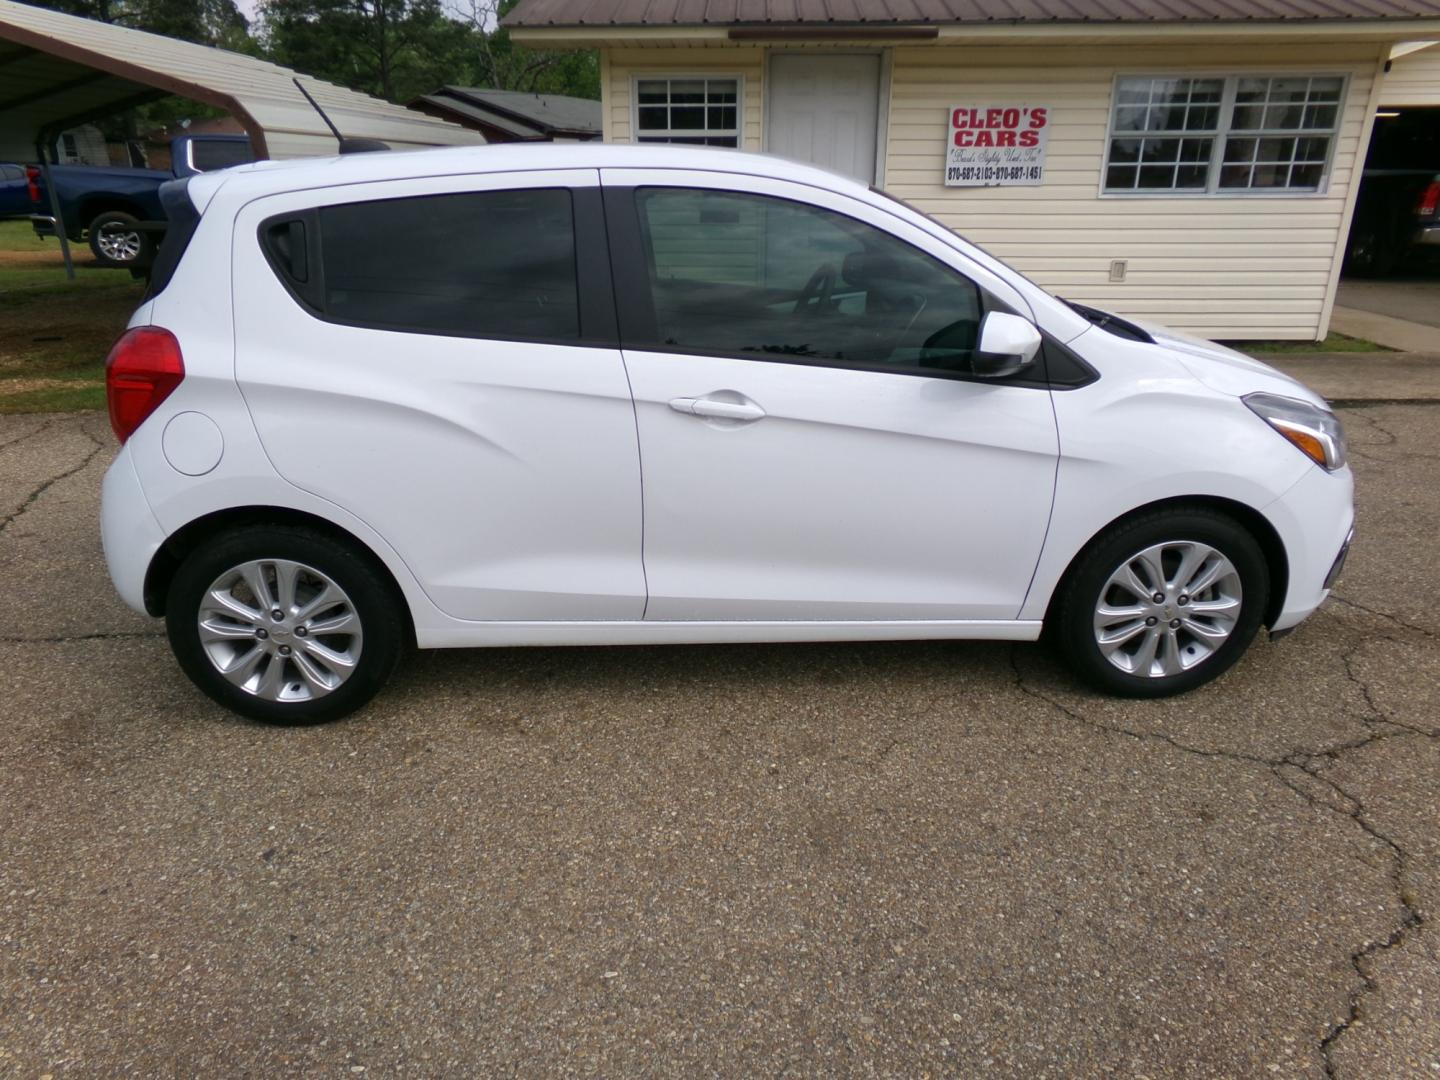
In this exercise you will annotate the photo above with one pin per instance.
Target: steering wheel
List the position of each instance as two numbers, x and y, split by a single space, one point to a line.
818 289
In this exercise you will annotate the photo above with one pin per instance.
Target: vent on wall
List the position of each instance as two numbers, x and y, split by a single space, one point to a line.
1118 268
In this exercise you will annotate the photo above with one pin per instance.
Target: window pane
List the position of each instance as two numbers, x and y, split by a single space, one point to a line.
1239 149
1157 150
1157 176
1270 176
1125 150
1235 176
1248 118
1120 177
745 274
1191 176
688 111
1196 149
207 154
1202 117
1130 117
687 119
687 92
1275 150
483 264
1262 152
1283 117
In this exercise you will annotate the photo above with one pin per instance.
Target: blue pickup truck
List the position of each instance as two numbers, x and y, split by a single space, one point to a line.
109 207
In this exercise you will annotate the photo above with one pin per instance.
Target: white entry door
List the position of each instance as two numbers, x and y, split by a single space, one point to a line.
824 110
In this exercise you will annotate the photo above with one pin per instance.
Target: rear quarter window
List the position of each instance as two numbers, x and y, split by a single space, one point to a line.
495 264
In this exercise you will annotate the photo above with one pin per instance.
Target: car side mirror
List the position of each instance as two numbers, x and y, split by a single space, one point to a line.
1008 344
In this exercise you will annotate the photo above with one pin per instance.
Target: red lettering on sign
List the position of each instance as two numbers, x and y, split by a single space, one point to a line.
1038 117
1005 138
1011 118
984 138
993 117
1029 138
964 138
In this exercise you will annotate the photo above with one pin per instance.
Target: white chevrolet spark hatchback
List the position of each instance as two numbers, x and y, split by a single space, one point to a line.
593 395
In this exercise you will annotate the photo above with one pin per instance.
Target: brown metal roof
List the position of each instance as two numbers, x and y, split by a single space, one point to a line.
838 13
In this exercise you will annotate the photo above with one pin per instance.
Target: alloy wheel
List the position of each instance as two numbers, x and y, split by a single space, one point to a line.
280 630
1167 609
119 245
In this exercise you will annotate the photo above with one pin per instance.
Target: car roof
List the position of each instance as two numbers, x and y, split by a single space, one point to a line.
298 174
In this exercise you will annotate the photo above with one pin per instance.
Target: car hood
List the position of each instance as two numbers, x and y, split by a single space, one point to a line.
1225 370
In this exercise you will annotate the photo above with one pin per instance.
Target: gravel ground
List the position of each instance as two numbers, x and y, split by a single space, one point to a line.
901 859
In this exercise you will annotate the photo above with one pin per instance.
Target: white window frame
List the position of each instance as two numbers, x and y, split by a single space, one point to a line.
636 78
1212 189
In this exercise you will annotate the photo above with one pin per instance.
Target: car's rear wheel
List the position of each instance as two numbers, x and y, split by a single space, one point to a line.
116 239
284 624
1163 603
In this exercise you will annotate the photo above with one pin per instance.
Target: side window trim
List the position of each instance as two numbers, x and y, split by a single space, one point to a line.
595 293
638 329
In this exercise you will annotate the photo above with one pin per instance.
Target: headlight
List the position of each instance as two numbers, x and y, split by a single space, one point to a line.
1314 431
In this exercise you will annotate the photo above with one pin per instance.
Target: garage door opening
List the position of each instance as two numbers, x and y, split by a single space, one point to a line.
1396 225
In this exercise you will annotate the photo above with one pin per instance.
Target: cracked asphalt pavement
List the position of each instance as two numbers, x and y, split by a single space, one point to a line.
900 859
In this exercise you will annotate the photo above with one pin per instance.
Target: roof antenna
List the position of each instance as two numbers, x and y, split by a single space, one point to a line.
347 146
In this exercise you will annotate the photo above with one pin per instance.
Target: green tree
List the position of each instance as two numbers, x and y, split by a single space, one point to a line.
208 22
503 65
395 49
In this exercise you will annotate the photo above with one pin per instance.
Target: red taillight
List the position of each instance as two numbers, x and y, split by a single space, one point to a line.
1429 201
142 370
32 182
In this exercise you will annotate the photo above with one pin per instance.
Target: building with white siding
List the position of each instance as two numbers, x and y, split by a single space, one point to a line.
1194 163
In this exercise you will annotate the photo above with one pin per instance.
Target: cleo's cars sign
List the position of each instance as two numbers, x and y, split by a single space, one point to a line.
996 145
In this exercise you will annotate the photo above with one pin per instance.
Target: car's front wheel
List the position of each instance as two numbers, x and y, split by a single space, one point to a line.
284 624
1163 603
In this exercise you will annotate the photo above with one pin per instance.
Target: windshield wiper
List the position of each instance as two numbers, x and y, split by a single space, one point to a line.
1107 321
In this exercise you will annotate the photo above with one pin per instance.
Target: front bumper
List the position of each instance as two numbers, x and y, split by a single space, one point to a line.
1316 521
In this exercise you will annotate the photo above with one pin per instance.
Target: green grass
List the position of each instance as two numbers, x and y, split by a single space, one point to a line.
20 236
1332 343
54 333
87 397
53 278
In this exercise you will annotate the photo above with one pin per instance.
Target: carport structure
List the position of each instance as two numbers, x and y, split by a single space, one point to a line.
57 71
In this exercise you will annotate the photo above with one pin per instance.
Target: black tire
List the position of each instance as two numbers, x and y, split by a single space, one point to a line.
1372 252
136 239
373 596
1073 626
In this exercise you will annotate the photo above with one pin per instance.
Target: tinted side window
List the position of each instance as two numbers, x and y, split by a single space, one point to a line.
208 154
736 274
11 172
484 264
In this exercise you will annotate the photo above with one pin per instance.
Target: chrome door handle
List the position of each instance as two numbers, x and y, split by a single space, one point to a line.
720 410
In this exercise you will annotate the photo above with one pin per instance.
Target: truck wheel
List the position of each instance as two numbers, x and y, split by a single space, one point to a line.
1370 253
117 240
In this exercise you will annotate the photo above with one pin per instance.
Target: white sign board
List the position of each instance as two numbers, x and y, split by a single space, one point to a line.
997 145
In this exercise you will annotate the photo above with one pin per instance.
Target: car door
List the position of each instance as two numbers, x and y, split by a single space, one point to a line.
438 356
813 443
